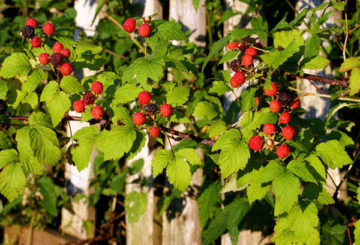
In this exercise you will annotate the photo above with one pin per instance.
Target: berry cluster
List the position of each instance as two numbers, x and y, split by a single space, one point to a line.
139 118
282 103
144 29
89 99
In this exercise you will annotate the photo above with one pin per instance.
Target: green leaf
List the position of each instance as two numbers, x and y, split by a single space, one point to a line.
135 206
4 141
39 119
206 110
190 155
121 114
333 234
349 64
115 143
357 231
81 153
255 189
47 190
284 39
17 64
338 5
3 89
316 63
196 4
299 169
333 154
217 46
126 93
315 163
71 85
207 201
312 46
277 58
248 100
160 161
49 90
34 79
178 96
12 181
354 81
170 30
8 156
230 55
219 88
217 127
178 172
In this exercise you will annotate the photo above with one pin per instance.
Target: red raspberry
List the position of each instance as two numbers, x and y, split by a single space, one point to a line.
275 106
36 42
288 132
269 128
97 112
129 25
65 52
48 28
255 143
144 30
284 117
232 45
79 106
237 79
138 118
272 91
283 151
66 69
89 98
246 60
154 132
31 22
242 47
258 100
250 51
295 104
44 58
57 47
97 87
165 110
144 97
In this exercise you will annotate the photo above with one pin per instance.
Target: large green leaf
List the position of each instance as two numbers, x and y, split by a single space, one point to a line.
277 58
34 79
160 161
12 181
207 201
333 154
178 96
206 110
349 64
126 93
354 81
316 63
71 85
17 64
178 172
8 156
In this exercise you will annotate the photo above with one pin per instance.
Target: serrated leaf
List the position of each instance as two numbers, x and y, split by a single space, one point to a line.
277 58
126 93
206 110
8 156
190 155
325 198
34 79
58 106
160 161
217 127
71 85
230 55
135 206
178 172
17 64
121 114
283 39
354 81
207 201
333 154
299 169
357 231
170 31
178 96
317 165
4 141
12 181
255 189
316 63
217 46
219 88
47 190
3 89
248 100
349 64
39 119
49 90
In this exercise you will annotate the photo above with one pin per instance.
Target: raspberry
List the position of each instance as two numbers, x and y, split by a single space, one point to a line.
269 128
144 97
28 31
3 107
79 106
250 51
165 110
150 108
57 47
36 42
65 52
275 106
44 58
296 104
286 99
242 47
31 22
97 87
48 28
284 117
288 132
237 79
66 69
138 118
97 112
154 132
129 25
235 65
232 45
258 100
283 151
89 98
247 60
255 143
56 59
144 30
272 91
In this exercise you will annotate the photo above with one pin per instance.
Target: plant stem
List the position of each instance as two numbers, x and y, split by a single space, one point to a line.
29 235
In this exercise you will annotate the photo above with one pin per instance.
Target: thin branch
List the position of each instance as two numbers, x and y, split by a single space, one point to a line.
341 83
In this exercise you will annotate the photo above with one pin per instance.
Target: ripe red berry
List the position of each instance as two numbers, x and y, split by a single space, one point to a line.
66 69
275 106
258 100
31 22
232 45
237 79
242 47
250 51
44 58
288 132
295 104
272 91
284 117
57 47
144 97
144 30
283 151
97 87
65 52
269 128
255 143
36 42
89 98
154 132
129 25
138 118
48 28
165 110
97 112
79 106
246 60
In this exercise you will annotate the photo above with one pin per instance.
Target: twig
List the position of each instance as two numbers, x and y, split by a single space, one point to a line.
341 83
114 54
305 93
346 35
319 89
